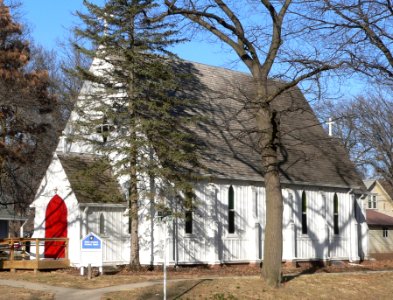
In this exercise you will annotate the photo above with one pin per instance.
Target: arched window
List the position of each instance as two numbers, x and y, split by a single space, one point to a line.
335 214
188 225
304 213
231 210
188 215
188 206
102 224
256 203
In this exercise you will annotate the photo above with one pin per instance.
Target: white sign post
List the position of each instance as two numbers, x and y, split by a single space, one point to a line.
91 252
164 221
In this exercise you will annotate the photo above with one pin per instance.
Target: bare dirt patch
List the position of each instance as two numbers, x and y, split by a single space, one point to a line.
7 292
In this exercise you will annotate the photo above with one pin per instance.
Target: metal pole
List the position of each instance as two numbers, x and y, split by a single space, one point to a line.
89 273
165 260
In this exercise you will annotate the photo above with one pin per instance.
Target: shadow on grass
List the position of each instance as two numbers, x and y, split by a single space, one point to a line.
190 288
175 290
313 267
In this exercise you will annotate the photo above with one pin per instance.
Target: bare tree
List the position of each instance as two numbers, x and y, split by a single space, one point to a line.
361 29
263 36
364 125
27 114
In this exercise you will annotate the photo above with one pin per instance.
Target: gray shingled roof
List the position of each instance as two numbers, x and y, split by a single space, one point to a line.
91 178
230 138
308 154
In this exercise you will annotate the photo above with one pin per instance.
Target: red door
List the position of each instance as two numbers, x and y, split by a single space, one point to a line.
55 227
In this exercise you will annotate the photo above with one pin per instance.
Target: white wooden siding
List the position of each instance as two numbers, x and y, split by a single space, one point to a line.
115 241
210 241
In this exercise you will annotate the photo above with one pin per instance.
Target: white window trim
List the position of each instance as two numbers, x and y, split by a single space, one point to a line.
372 201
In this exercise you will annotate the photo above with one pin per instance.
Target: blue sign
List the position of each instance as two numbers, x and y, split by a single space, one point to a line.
91 241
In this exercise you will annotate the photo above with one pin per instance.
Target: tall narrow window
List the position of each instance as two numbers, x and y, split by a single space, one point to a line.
231 210
256 203
335 214
188 217
385 232
188 220
102 224
304 213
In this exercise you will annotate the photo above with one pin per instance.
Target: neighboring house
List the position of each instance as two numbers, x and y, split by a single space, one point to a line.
320 186
380 232
379 216
380 196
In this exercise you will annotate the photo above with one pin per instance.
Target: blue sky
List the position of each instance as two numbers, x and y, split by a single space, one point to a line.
49 19
50 22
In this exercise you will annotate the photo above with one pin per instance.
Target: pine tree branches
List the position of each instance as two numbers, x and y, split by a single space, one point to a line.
129 110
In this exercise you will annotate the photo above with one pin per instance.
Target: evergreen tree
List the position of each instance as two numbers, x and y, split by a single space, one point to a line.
26 108
131 102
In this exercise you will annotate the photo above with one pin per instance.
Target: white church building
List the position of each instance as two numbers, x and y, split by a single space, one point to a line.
323 217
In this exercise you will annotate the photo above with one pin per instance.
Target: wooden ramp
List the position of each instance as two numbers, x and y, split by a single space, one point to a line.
15 253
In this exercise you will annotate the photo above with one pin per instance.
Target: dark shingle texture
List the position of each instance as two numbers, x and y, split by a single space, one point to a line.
230 135
91 178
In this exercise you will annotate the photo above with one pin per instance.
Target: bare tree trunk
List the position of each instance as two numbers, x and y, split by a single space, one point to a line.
269 127
272 248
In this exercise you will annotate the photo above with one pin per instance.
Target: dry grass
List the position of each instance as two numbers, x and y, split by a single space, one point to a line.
243 282
23 294
74 280
316 286
71 278
174 290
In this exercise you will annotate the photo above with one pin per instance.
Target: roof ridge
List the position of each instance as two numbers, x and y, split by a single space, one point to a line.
276 80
